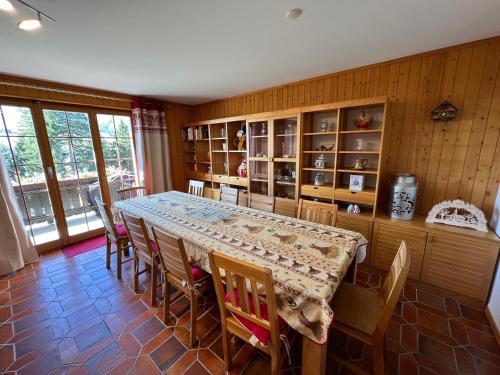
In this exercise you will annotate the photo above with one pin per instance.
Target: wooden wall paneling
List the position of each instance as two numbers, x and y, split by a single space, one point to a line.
479 122
489 143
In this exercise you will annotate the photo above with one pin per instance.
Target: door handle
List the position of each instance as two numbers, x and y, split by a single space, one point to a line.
50 172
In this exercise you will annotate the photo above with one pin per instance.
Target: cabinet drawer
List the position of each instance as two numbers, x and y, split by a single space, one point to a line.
204 176
363 197
220 178
285 207
465 267
241 181
385 244
317 191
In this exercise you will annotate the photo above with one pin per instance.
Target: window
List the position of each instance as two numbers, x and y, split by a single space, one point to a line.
118 152
21 155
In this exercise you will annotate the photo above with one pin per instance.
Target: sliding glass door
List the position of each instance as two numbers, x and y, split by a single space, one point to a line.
20 150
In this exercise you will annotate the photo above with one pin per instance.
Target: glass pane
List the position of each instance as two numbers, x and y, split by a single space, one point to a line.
77 222
66 173
71 198
125 147
79 125
25 150
123 126
109 148
112 169
93 219
44 230
128 169
6 154
106 125
31 175
55 122
87 171
61 150
83 149
18 121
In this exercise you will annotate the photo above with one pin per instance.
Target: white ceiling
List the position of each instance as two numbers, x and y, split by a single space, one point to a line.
194 51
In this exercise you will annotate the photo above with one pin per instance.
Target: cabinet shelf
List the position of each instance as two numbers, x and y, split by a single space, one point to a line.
218 151
289 183
331 170
319 133
360 131
242 151
359 152
285 160
258 136
258 158
352 170
319 152
217 138
286 135
259 180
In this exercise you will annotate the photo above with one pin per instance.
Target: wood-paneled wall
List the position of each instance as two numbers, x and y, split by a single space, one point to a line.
463 162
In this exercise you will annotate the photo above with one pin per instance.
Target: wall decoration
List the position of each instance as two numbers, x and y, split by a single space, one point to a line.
404 196
242 169
356 182
444 113
458 213
363 121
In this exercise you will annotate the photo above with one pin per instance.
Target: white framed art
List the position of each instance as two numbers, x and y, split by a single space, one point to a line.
356 182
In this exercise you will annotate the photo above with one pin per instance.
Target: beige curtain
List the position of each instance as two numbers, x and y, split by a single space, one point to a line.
151 145
16 248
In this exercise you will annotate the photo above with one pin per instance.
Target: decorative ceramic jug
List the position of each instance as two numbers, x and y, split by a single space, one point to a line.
320 162
324 125
360 164
319 179
404 196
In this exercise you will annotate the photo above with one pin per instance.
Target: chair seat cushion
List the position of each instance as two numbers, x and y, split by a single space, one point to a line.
154 247
197 273
121 230
262 334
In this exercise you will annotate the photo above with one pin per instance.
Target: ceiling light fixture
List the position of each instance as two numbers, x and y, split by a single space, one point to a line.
6 5
293 13
30 23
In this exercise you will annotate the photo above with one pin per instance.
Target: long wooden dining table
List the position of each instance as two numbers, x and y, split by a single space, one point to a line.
308 260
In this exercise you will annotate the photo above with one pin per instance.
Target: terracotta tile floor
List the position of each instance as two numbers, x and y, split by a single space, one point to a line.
71 316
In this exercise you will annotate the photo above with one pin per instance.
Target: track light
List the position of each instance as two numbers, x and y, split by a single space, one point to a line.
6 5
30 24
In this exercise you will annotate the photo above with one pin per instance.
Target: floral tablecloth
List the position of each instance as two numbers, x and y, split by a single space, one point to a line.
308 260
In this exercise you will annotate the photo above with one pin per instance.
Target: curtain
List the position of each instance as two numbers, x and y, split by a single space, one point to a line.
16 246
151 144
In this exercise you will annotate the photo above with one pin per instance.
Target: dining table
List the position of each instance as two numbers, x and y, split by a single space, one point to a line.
308 260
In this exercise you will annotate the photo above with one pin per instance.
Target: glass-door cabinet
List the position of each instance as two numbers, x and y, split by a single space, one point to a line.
285 150
259 155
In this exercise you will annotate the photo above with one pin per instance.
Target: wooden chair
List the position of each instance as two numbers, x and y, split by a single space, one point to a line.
317 212
132 192
196 188
228 194
144 249
364 314
191 280
260 312
115 233
261 202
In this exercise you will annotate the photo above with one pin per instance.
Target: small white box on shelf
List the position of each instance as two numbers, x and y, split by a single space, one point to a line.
356 182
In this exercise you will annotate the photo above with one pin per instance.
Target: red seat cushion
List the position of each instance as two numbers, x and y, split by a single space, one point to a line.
121 230
262 334
197 273
154 247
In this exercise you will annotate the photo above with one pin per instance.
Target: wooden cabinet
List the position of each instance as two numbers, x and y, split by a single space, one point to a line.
385 243
286 207
460 265
317 191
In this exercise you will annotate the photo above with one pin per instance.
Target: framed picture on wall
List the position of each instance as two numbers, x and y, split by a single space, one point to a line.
356 182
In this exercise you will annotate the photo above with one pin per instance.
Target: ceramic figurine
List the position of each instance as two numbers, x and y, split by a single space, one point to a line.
325 148
361 144
319 179
360 164
324 125
242 169
356 210
320 162
363 121
350 208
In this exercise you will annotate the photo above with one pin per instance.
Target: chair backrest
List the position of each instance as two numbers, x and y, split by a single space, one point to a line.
132 192
173 255
261 202
239 274
107 218
317 212
196 187
393 285
228 194
138 234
